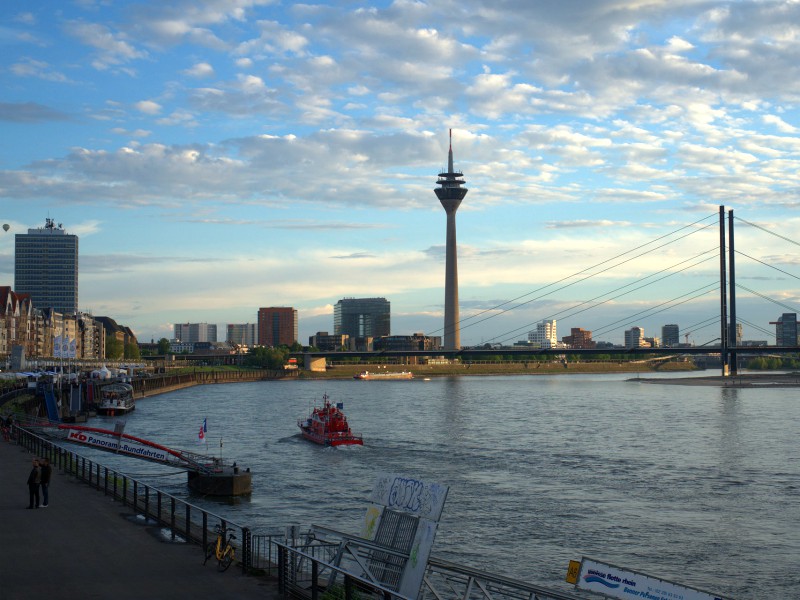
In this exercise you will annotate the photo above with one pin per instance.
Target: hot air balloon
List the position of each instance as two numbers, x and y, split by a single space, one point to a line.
6 226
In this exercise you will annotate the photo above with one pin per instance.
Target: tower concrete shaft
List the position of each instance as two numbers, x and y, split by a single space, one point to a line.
450 194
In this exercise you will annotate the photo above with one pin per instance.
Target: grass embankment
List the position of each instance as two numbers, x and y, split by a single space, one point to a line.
510 368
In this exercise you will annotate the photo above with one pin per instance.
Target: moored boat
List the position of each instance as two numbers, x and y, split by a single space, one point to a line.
116 399
327 426
384 375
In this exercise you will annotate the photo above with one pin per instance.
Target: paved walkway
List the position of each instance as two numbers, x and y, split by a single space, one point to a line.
85 545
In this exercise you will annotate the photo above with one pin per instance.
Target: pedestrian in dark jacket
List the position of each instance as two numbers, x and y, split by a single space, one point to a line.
47 470
34 480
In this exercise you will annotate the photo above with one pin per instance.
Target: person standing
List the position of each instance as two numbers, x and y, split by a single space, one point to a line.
34 480
47 470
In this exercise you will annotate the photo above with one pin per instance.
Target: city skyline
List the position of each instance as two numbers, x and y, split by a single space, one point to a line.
216 157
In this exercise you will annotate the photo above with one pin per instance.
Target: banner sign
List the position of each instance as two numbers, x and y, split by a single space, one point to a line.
122 445
614 582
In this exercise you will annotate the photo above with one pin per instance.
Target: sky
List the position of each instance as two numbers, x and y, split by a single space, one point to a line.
217 156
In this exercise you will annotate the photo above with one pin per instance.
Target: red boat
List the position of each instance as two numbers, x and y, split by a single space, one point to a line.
328 426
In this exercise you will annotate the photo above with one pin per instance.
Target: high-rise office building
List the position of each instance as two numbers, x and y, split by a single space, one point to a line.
362 317
277 326
634 338
242 334
670 335
786 331
192 333
450 194
46 267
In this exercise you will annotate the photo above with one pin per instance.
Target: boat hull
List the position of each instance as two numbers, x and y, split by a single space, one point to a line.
367 376
331 440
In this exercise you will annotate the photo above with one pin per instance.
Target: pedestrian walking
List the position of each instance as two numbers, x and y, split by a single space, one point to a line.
34 480
47 470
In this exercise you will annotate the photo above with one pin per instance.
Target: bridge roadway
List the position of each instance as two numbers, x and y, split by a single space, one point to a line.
466 354
84 545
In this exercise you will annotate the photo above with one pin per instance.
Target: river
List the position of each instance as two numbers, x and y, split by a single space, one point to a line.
698 485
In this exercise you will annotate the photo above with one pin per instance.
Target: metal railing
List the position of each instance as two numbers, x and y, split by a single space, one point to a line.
301 562
446 579
187 522
304 574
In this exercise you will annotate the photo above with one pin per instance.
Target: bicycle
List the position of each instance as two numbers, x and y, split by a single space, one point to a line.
222 549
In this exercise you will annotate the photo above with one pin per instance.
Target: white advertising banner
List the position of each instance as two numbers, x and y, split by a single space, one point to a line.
615 582
118 445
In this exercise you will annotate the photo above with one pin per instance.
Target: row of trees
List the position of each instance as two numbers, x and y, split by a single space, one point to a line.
117 350
773 363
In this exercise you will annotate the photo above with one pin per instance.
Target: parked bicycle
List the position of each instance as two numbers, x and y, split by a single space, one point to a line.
222 549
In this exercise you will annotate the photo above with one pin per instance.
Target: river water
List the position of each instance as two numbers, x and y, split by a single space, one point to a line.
698 485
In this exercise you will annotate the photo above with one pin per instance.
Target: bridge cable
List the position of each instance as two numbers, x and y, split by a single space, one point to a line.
475 316
527 326
609 268
767 298
768 265
651 311
703 324
758 327
672 302
765 230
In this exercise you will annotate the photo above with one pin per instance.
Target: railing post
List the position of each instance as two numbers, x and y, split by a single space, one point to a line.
205 530
105 481
247 558
314 589
348 588
146 502
158 496
124 490
282 570
172 516
135 495
188 523
115 485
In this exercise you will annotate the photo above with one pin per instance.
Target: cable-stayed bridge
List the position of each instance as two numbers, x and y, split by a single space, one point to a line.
695 266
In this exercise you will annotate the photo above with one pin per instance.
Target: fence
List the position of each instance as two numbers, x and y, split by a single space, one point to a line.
187 522
303 568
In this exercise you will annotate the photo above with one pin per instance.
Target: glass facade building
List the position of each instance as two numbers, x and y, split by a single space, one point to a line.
362 317
46 267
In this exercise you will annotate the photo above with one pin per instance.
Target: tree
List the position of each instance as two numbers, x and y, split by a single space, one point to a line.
268 358
114 348
132 351
163 346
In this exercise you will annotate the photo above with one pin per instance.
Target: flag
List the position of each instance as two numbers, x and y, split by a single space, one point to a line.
201 436
205 427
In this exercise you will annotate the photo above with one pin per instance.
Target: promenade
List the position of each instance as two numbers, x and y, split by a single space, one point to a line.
84 545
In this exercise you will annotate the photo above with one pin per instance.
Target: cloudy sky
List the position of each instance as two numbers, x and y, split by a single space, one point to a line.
215 156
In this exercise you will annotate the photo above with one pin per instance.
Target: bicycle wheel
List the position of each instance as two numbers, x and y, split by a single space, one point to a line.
210 551
226 560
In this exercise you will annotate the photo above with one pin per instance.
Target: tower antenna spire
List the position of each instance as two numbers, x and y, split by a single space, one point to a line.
450 154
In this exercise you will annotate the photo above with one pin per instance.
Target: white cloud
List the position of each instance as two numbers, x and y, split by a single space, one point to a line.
148 107
202 69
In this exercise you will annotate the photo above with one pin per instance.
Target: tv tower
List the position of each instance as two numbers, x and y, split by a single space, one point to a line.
450 194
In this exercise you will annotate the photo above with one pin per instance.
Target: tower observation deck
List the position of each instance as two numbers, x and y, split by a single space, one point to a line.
450 193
